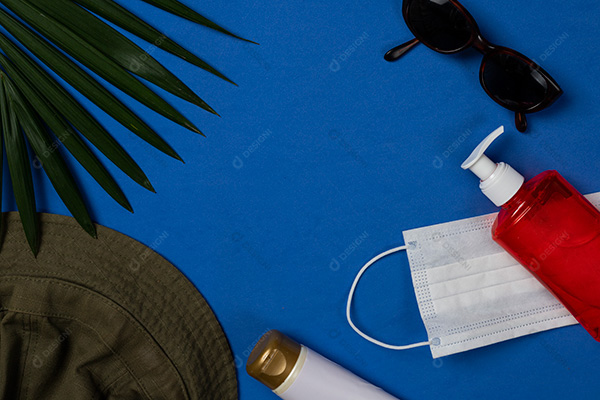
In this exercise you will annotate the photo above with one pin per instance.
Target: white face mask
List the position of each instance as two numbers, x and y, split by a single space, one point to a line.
470 292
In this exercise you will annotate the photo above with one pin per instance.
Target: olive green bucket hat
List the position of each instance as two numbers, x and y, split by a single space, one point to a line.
103 319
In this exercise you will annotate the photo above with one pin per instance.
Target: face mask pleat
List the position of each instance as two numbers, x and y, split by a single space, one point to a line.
471 293
471 270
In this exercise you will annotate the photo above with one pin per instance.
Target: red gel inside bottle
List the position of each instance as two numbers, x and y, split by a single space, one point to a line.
551 229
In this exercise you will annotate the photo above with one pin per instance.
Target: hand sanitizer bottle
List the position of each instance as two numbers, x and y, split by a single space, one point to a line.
550 228
295 372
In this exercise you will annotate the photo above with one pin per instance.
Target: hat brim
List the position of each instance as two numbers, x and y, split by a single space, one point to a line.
153 291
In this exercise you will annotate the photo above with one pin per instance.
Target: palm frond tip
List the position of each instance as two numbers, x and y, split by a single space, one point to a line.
37 112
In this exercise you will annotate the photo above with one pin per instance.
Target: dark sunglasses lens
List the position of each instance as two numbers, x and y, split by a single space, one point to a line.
439 24
514 82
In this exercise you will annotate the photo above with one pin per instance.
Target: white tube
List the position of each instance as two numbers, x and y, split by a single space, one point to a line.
319 378
294 372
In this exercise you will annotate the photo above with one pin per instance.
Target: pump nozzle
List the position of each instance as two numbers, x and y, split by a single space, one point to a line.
499 182
478 162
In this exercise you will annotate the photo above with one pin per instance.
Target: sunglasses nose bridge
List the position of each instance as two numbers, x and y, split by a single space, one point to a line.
482 45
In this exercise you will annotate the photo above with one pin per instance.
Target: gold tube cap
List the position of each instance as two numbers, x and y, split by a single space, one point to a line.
273 359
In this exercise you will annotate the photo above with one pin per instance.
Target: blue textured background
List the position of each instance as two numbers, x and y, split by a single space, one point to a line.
326 153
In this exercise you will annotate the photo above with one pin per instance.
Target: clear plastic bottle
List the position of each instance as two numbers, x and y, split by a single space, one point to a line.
550 228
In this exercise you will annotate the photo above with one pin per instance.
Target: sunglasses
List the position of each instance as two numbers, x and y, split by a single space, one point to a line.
508 77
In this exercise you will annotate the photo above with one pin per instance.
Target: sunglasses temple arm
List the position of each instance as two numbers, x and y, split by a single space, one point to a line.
521 121
398 51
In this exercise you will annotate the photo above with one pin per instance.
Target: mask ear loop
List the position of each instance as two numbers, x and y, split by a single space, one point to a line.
351 295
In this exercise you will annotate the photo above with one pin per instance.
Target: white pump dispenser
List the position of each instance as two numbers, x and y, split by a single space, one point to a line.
499 182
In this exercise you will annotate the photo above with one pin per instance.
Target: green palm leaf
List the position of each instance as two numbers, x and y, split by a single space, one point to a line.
19 167
52 162
76 77
127 20
88 55
77 115
175 7
1 166
114 45
66 135
30 96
